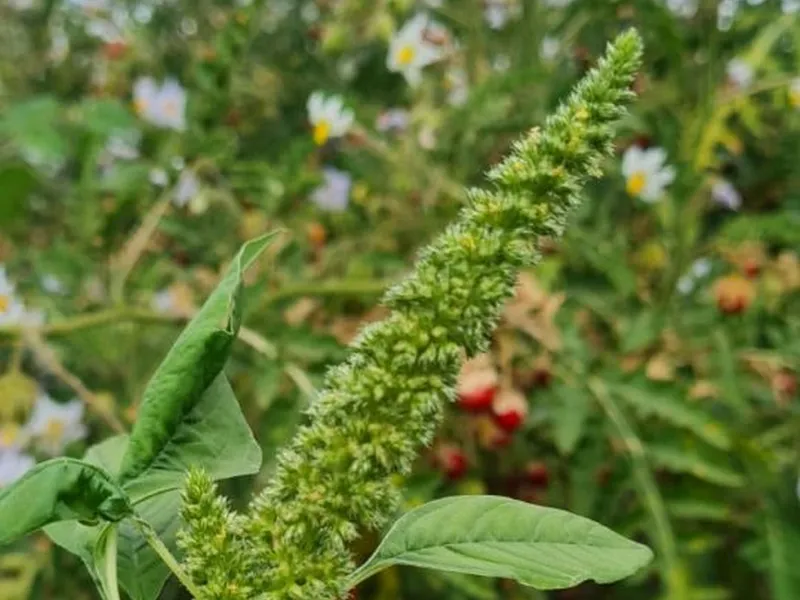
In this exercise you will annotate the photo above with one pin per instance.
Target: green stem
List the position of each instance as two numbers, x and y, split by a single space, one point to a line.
163 552
111 565
675 576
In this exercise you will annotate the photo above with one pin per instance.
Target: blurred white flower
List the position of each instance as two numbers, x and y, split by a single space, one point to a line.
54 426
701 268
789 7
427 137
499 12
726 12
90 5
457 85
794 90
725 194
163 301
550 48
158 177
685 285
186 189
328 117
11 309
392 119
334 193
683 8
646 174
412 48
53 285
14 465
740 73
501 63
161 105
22 4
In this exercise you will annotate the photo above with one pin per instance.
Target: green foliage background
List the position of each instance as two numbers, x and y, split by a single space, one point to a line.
650 410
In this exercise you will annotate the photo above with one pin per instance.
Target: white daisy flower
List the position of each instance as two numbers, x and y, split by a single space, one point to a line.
685 285
334 193
646 174
328 117
457 85
54 426
161 105
794 89
411 48
14 465
740 73
725 194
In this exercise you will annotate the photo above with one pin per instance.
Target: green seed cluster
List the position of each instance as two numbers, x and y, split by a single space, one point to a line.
386 400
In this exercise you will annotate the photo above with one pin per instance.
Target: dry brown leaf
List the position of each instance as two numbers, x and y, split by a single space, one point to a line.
660 368
300 311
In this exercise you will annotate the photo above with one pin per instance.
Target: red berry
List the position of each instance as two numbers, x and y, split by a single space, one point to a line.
453 462
751 268
509 409
477 400
509 420
537 474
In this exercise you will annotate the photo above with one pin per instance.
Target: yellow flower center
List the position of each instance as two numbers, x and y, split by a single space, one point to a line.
636 183
54 430
9 434
406 55
322 131
140 105
5 303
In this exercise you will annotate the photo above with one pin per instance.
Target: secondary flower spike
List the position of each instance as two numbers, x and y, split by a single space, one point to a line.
379 407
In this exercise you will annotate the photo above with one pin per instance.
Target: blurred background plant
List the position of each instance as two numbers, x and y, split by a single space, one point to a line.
644 376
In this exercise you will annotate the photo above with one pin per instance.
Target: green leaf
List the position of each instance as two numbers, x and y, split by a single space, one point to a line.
568 414
61 489
694 461
105 559
105 116
17 182
214 436
544 548
675 411
189 368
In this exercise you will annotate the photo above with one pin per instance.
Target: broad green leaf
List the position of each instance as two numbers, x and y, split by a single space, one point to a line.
61 489
544 548
189 368
214 436
675 411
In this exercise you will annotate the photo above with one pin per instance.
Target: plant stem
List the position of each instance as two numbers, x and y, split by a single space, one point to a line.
111 565
163 552
675 576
